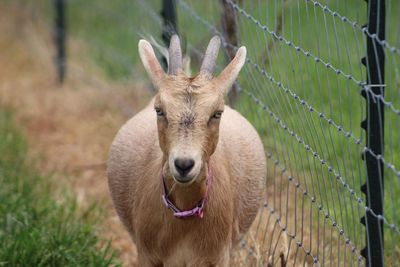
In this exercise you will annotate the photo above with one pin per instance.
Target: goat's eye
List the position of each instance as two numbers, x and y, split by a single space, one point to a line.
217 115
159 112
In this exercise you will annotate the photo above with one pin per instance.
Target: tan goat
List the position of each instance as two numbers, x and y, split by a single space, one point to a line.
187 154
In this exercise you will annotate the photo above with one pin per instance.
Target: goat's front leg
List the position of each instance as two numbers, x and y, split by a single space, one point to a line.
225 258
223 261
144 261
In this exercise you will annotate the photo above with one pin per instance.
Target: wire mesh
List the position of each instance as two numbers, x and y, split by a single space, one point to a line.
301 89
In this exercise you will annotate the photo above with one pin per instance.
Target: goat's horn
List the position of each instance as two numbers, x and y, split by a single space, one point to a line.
175 55
208 65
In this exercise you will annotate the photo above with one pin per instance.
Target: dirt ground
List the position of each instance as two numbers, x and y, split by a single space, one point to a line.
69 127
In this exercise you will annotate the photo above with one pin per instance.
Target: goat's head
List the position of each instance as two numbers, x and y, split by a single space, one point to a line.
189 109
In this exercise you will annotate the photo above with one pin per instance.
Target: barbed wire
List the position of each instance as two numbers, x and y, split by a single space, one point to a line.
355 25
326 64
290 177
291 44
324 163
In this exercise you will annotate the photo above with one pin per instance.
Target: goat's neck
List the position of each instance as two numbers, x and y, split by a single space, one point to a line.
186 197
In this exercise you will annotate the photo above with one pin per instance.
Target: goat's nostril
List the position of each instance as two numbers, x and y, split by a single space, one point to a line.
184 165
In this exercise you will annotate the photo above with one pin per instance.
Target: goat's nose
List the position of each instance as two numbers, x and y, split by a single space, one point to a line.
184 165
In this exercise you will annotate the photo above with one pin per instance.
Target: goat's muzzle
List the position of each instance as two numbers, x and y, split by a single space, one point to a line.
183 167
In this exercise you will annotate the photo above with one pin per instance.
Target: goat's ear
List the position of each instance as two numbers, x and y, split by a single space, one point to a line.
151 63
228 76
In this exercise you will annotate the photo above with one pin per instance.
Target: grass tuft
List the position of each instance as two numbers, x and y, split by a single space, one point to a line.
36 228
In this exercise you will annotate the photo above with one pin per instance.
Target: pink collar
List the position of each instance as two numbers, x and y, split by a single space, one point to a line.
197 210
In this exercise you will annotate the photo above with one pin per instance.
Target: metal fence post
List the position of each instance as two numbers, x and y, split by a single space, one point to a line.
230 32
168 13
60 35
374 127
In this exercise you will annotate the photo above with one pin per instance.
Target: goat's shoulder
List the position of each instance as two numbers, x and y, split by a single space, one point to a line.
132 152
238 132
246 164
137 137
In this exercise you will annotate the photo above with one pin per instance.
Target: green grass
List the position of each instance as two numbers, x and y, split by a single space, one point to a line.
38 228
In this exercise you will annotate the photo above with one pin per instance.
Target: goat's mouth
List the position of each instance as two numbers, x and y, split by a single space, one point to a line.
185 181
